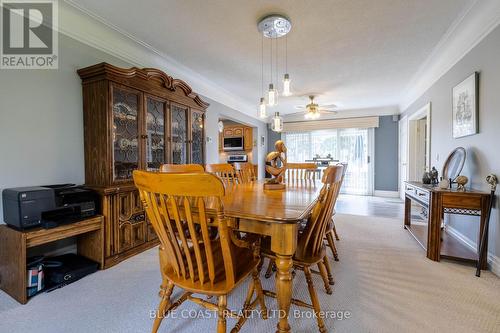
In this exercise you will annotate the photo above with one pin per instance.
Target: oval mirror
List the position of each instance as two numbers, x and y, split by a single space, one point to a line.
454 164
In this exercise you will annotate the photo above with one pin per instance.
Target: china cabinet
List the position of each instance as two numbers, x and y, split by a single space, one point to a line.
135 119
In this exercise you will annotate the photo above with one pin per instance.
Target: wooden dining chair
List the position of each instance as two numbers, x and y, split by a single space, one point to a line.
298 171
182 168
331 231
245 172
182 207
311 248
225 171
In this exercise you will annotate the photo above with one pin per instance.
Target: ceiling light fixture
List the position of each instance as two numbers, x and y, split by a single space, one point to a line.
277 123
274 27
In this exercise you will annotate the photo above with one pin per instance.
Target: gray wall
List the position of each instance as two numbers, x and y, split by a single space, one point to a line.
482 149
272 138
386 155
41 121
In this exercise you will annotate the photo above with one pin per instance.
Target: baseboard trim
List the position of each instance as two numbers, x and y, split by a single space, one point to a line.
386 194
493 261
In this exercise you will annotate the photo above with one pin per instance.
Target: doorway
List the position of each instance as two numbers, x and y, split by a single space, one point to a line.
415 145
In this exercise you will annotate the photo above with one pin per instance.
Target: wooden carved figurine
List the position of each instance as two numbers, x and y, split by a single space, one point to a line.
277 169
461 181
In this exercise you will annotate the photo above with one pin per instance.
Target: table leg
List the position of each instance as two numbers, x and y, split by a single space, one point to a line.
284 244
407 219
284 290
434 227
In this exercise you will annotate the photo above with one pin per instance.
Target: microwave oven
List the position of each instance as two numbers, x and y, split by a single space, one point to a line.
231 144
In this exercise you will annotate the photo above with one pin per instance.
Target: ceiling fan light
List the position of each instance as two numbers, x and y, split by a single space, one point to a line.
277 123
262 108
272 95
286 85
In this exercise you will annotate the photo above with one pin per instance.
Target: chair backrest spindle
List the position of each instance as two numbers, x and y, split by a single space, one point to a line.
225 171
176 204
300 171
310 242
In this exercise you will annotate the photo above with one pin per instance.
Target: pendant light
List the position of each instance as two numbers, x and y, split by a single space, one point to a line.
272 93
262 108
273 27
262 104
286 77
277 123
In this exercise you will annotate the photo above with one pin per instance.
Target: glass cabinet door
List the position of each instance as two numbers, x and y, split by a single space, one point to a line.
155 133
197 124
126 106
179 126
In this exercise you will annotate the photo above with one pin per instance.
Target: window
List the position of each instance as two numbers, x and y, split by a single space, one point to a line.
351 145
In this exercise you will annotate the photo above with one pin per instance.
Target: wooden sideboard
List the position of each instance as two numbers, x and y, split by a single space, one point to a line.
15 245
430 235
135 119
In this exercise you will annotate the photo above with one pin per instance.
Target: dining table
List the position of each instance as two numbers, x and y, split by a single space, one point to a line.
277 214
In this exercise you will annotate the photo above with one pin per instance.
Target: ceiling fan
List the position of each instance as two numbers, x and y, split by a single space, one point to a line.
314 110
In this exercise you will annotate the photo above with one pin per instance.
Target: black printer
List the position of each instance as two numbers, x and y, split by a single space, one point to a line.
48 205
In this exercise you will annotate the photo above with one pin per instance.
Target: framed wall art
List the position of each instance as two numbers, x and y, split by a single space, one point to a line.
466 107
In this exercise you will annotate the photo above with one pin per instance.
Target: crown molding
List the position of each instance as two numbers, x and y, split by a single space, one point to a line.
90 29
470 28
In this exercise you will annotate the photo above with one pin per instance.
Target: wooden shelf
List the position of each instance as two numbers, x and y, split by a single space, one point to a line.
14 245
451 247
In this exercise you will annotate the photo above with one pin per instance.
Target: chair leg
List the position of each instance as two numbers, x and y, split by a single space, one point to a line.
314 300
165 293
221 322
324 276
259 293
329 273
335 232
331 244
271 267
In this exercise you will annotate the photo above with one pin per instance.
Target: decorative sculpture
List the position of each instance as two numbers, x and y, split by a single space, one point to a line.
434 176
461 181
277 167
426 178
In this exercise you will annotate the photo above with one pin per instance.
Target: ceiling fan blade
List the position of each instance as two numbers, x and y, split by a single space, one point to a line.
328 106
299 107
328 111
294 113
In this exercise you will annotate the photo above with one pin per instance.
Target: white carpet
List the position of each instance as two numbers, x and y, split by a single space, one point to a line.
383 280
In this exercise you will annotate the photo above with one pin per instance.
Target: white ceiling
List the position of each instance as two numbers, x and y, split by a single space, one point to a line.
354 53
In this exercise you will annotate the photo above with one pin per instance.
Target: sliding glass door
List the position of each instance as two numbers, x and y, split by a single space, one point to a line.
351 145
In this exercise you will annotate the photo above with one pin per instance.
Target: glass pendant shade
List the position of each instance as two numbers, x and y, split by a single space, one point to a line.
286 85
277 123
262 108
272 96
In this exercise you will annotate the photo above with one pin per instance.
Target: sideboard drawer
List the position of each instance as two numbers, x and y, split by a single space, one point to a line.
410 190
422 195
417 193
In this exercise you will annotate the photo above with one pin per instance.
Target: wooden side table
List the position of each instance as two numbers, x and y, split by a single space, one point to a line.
14 245
439 243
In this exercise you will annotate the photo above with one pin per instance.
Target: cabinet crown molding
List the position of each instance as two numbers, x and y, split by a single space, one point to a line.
104 70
